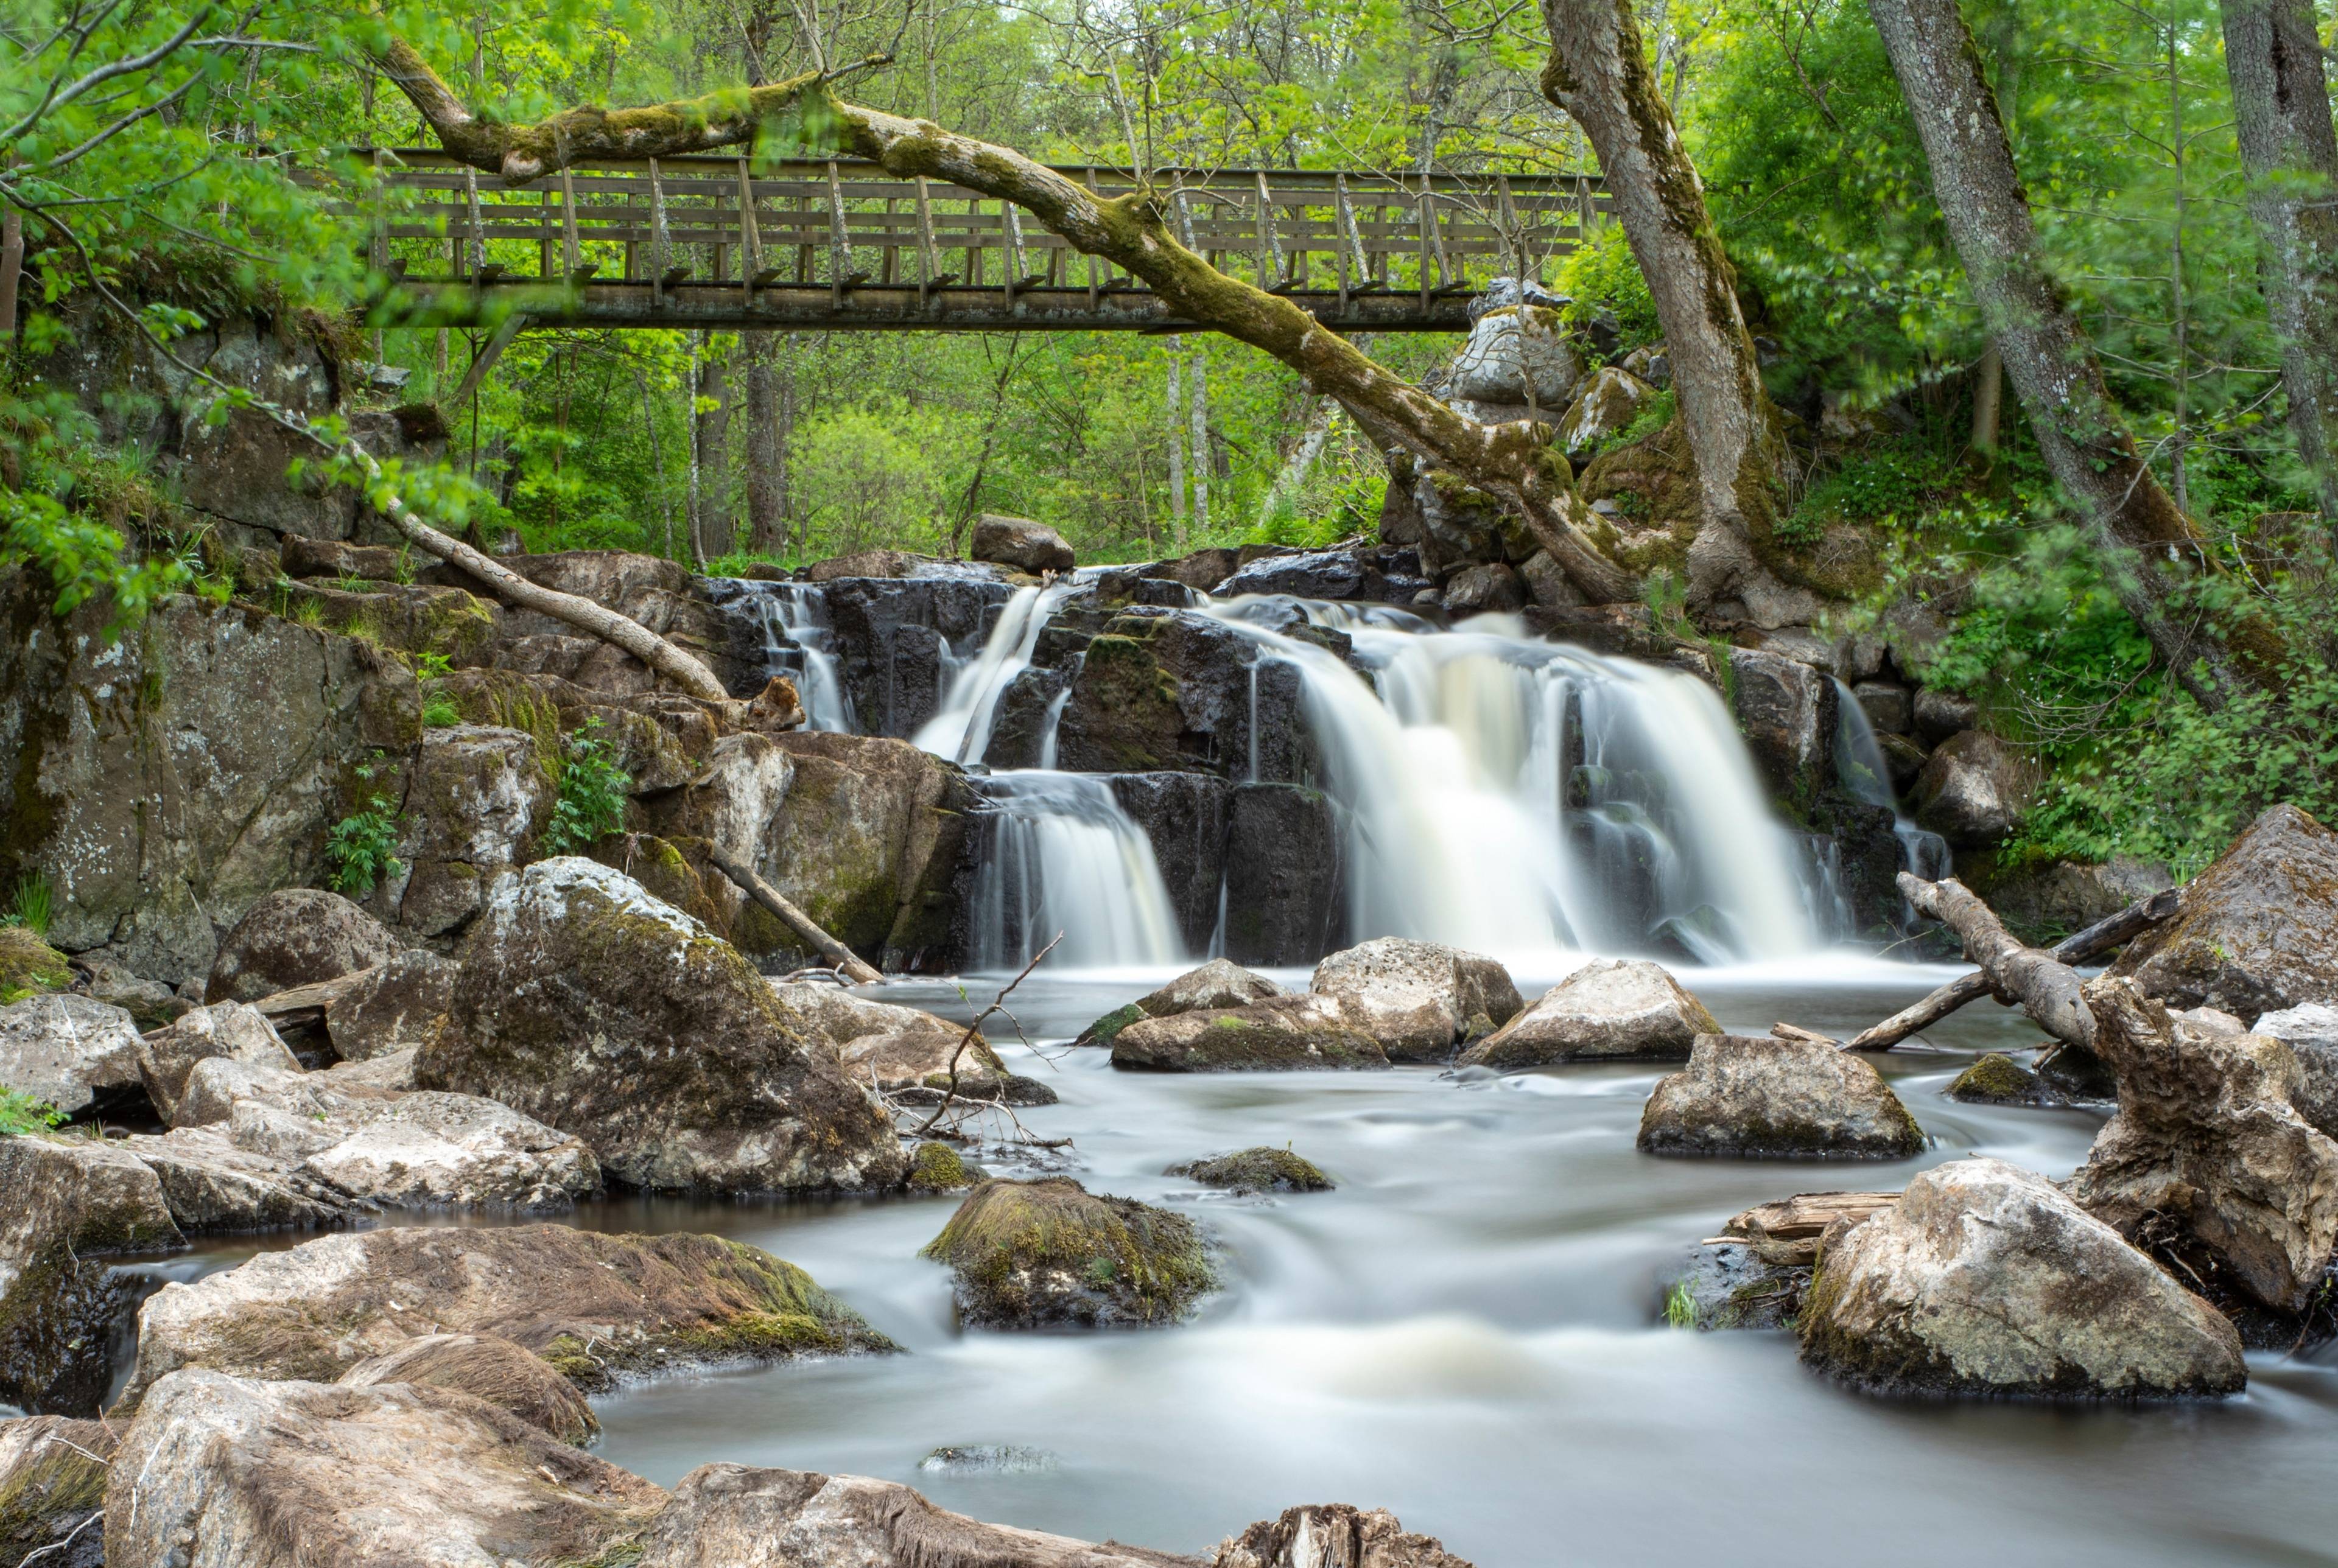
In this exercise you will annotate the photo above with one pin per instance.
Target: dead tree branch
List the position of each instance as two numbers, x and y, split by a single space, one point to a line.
957 1053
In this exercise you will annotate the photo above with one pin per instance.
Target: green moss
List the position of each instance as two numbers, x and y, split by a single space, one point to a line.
1034 1252
1259 1169
1995 1077
1102 1031
28 965
936 1167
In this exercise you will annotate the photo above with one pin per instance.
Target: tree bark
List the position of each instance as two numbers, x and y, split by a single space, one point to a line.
1177 451
1199 390
716 532
1599 73
12 268
854 966
2150 547
767 522
2046 988
1506 461
2281 109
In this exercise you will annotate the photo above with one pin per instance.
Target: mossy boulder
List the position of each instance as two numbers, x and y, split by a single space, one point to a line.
1032 1254
1259 1169
937 1168
487 1367
1216 984
1997 1078
476 801
596 1009
597 1308
53 1474
28 965
1653 506
2257 931
1760 1097
1279 1033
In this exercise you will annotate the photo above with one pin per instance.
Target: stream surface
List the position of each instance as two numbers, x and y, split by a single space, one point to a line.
1465 1332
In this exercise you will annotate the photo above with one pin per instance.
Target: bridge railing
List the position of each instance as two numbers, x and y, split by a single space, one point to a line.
717 222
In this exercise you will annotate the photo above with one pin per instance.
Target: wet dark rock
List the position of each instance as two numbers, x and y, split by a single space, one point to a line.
1998 1079
1333 1535
1281 1034
1729 1284
1030 1254
891 636
1173 690
70 1052
1975 790
1940 714
1760 1097
1220 983
1889 707
2075 1072
1314 574
53 1475
595 1306
1259 1169
1021 543
2062 897
1986 1279
487 1366
1286 882
1183 814
988 1459
1491 589
1418 999
1025 716
2257 931
1611 1008
1786 712
1201 570
603 1011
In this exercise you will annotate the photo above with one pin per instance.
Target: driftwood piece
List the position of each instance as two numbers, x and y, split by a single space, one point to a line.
2080 947
2046 987
848 963
1787 1231
306 1004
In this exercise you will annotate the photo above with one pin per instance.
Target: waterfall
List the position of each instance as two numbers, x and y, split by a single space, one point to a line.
1860 766
799 643
1507 794
1063 857
961 729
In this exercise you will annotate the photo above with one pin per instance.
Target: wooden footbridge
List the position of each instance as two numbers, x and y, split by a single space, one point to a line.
713 243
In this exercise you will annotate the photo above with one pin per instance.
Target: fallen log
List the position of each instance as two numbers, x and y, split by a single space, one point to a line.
303 1005
1787 1231
2080 947
2046 987
848 963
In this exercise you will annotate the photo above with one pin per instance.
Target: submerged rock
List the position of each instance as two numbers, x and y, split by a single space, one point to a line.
295 937
596 1307
937 1168
1280 1034
1613 1008
1333 1535
1762 1097
598 1010
70 1052
1729 1285
487 1366
53 1474
1986 1279
2257 931
988 1459
1259 1169
1418 999
1219 983
225 1471
1030 1254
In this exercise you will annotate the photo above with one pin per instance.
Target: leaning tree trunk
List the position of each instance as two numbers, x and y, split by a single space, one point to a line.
1510 463
2152 550
2281 108
1599 73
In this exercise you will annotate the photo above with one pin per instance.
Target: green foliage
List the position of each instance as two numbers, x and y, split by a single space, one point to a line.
21 1113
1680 1306
83 558
1886 487
593 793
1599 275
361 846
1659 411
30 904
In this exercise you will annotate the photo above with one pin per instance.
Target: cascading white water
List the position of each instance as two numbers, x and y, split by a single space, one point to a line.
1860 767
1063 857
1511 794
797 644
961 729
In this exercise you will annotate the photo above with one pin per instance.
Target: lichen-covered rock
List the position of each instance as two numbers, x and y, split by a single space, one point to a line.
1220 983
1610 1009
69 1051
1985 1278
891 1047
478 796
596 1307
2311 1033
732 1517
1975 789
1608 402
397 1007
1278 1034
1020 543
1259 1169
1028 1254
1786 709
72 1203
1514 353
52 1472
1760 1097
487 1366
2206 1136
598 1010
1998 1079
428 1149
213 1186
227 1472
2257 931
233 1031
1333 1535
937 1168
1418 999
28 965
296 936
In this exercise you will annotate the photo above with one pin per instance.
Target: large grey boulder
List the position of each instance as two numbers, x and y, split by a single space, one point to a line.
1220 983
478 794
1610 399
396 1007
2257 931
296 936
1418 999
599 1010
1975 789
1610 1009
227 1472
732 1517
74 1204
1762 1097
2311 1033
1786 709
597 1308
1020 543
1985 1278
52 1471
1516 353
1281 1034
893 1048
1031 1254
231 1031
2207 1136
211 1185
70 1052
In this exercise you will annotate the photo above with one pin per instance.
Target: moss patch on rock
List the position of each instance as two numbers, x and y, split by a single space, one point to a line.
1030 1254
1259 1169
936 1167
1995 1079
28 965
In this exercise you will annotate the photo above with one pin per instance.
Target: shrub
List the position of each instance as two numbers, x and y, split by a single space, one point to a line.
592 792
1600 274
31 904
21 1113
361 846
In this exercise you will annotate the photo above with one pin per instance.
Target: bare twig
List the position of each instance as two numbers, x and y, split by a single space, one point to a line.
998 1004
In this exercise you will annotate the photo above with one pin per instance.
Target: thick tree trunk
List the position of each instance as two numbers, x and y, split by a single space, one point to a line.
2046 988
1599 73
2281 107
1506 461
767 522
716 530
2150 547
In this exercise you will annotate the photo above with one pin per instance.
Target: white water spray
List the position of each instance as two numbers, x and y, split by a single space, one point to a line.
1065 857
961 729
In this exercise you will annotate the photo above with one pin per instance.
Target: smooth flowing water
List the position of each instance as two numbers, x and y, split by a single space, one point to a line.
961 729
1062 857
798 642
